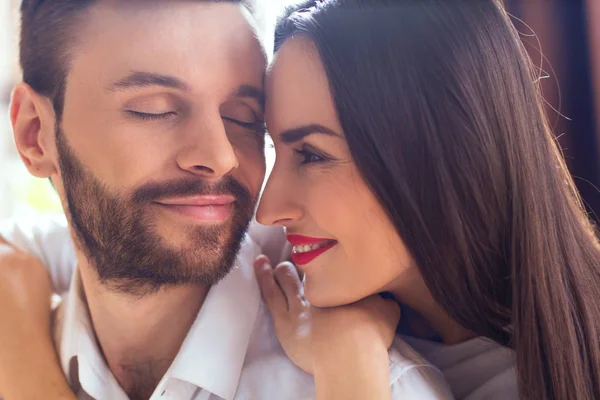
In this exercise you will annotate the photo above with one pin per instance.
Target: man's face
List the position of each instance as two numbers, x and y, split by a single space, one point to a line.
160 144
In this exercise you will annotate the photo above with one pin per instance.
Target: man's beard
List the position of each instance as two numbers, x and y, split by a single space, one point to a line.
116 232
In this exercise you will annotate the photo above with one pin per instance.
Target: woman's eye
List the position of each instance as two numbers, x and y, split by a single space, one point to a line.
151 116
309 157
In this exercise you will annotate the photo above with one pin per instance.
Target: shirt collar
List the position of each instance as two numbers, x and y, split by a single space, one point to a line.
212 355
80 355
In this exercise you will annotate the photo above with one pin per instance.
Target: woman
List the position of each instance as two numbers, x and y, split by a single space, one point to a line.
482 229
414 157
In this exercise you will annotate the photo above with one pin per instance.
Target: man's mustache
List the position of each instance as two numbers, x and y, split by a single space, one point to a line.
156 191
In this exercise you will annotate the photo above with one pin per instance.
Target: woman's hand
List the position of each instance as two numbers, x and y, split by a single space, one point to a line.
326 339
29 367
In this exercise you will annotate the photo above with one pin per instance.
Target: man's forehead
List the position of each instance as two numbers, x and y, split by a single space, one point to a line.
181 38
201 14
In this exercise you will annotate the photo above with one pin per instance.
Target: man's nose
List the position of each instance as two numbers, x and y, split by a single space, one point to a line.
207 150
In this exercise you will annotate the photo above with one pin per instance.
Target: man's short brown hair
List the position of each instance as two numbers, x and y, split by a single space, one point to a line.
47 36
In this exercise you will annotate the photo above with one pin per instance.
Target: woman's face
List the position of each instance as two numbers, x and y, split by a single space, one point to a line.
343 241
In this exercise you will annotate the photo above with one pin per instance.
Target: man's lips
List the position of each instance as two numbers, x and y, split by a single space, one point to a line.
306 248
208 200
208 208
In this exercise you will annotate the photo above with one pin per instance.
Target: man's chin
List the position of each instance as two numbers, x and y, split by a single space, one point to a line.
190 243
206 246
182 234
200 216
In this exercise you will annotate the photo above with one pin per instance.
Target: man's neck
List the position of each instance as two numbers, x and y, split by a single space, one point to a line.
140 337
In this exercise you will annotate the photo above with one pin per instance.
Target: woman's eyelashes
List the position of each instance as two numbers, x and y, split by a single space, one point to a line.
309 155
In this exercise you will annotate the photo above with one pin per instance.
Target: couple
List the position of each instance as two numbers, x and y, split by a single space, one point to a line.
413 159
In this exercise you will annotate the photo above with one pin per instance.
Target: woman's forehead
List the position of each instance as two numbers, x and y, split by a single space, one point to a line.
297 88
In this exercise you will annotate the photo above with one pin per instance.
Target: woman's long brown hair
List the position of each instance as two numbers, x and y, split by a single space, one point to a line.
443 114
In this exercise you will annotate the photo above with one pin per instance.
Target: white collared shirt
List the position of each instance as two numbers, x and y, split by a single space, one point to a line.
230 352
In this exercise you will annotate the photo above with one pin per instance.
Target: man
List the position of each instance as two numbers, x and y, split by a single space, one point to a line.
147 116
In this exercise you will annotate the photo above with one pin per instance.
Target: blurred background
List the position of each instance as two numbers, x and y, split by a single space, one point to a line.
562 36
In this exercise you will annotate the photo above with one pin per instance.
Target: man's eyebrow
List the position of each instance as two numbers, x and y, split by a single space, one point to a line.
253 93
296 134
138 80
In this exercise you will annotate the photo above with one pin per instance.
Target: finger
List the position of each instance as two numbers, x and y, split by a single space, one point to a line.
271 293
287 277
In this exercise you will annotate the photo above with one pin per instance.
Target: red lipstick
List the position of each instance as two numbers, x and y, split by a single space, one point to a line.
306 248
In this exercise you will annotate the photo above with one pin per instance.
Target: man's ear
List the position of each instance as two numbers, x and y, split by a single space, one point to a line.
32 117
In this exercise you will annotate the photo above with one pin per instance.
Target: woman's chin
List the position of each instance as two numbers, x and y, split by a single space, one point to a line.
324 298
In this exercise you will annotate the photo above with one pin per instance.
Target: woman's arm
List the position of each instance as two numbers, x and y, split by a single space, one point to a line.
345 348
29 367
352 367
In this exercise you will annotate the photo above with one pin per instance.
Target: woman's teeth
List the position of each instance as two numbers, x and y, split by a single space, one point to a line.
305 248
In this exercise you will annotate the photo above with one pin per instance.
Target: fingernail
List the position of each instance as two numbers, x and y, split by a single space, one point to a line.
261 261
